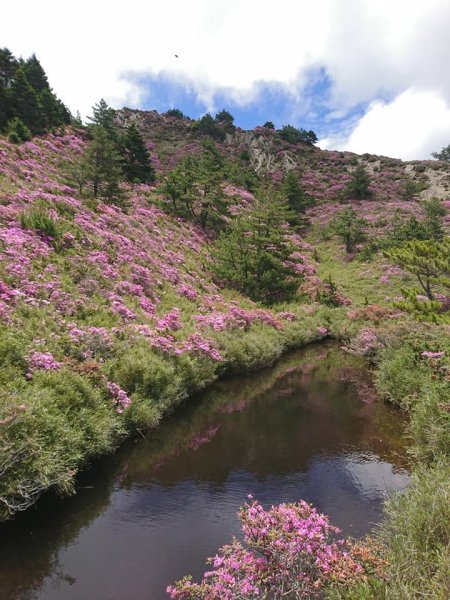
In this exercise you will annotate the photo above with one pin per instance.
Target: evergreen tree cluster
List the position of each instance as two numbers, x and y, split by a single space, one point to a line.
291 134
253 254
28 105
194 187
443 155
112 156
215 127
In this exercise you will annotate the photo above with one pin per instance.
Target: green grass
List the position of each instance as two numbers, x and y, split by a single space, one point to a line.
359 281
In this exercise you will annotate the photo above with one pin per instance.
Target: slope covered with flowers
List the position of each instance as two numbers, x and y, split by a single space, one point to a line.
108 318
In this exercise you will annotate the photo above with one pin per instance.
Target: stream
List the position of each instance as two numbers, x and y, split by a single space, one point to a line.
309 427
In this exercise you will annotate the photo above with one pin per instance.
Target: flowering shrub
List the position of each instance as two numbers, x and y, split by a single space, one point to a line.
289 551
121 399
366 343
433 355
197 344
170 321
42 360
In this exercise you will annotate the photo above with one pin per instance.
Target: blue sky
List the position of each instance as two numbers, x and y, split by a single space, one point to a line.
365 76
308 107
273 101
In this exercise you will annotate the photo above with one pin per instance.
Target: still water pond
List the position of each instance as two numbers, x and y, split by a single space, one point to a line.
306 428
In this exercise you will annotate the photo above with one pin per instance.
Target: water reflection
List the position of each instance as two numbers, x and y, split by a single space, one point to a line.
307 428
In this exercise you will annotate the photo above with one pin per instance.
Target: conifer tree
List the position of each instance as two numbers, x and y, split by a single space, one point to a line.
194 187
226 119
297 198
50 109
358 187
435 213
101 167
35 74
252 256
26 102
208 126
349 228
17 131
136 163
103 116
8 66
428 260
5 106
443 155
26 95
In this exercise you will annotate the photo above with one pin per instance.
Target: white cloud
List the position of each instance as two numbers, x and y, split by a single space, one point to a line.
410 127
369 49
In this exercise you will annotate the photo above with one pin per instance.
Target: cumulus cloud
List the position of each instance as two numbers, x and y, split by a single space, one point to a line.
369 50
410 127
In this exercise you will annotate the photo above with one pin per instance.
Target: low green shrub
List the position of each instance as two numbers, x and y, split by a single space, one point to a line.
399 377
37 218
430 425
417 536
256 348
147 377
62 420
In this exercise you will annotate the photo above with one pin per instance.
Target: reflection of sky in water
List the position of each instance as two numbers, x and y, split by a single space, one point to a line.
190 520
372 476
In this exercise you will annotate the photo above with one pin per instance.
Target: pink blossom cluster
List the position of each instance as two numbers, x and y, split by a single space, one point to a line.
187 291
366 343
121 399
236 317
91 340
287 316
433 355
196 344
42 361
170 321
288 551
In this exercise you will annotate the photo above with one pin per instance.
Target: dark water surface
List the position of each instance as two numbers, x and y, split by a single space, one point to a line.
306 428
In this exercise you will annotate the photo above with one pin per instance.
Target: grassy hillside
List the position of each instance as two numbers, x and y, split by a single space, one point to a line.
109 318
110 314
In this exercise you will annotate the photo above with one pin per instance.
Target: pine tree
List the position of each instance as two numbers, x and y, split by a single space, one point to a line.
103 116
100 167
428 260
252 256
194 187
35 74
8 66
297 198
443 155
135 157
358 187
25 102
5 106
26 94
17 131
434 222
349 228
208 126
50 109
226 120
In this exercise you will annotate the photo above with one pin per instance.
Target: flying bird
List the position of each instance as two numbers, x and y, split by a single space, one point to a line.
176 56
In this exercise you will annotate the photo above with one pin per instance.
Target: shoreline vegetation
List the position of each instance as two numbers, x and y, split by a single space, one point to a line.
134 273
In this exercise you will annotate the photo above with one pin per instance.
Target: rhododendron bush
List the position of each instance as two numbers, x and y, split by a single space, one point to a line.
288 551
